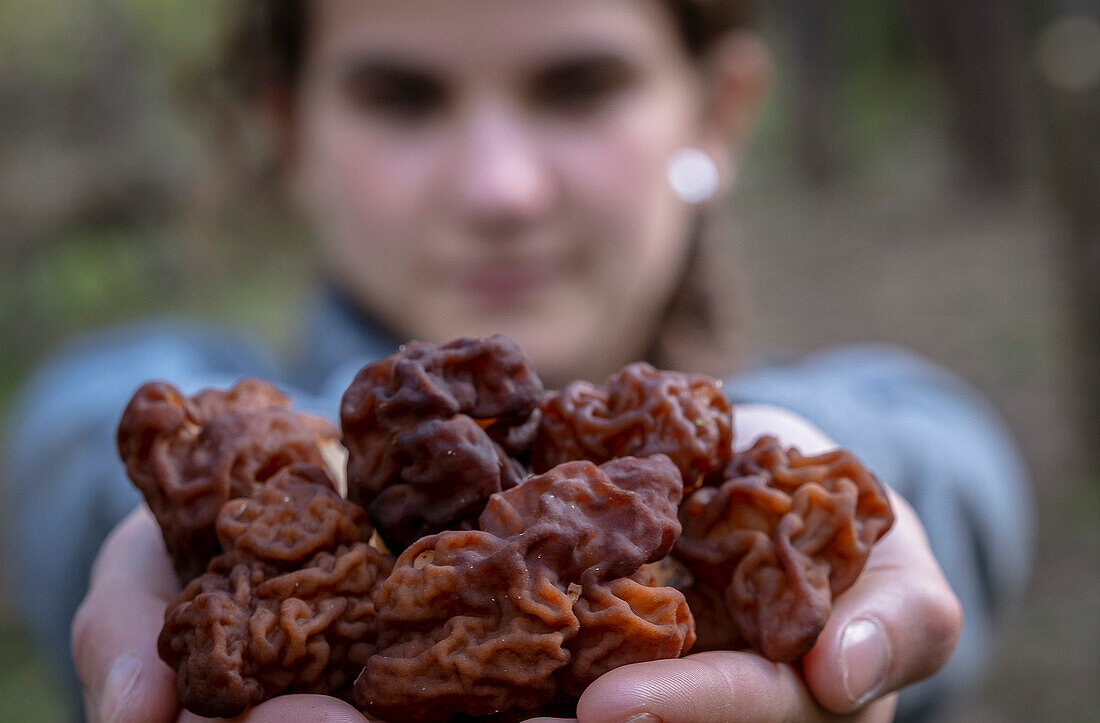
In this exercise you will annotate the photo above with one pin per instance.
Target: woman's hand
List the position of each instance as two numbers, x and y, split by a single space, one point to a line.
115 636
898 624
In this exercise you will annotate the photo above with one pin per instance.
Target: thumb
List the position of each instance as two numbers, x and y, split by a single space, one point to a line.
114 631
293 709
897 624
705 688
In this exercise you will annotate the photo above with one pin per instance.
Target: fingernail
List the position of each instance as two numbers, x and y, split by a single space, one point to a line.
865 657
644 718
118 688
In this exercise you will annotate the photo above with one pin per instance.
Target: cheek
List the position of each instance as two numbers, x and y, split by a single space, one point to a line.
638 230
365 198
373 189
617 168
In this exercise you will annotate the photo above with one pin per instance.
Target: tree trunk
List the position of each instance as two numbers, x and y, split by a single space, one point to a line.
1072 121
976 48
809 25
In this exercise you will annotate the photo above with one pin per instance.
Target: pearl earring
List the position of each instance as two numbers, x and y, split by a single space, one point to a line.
693 175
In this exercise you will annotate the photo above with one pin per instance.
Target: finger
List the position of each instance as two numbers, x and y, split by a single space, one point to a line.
755 420
293 709
114 631
705 688
898 624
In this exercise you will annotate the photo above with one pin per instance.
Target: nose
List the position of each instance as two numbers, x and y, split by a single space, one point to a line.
502 178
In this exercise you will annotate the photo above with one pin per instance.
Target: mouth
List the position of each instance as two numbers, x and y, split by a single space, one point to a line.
503 285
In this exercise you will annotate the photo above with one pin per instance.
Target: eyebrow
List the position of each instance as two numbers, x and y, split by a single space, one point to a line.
396 62
599 62
388 65
584 54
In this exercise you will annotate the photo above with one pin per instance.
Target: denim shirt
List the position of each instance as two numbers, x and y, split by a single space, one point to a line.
919 428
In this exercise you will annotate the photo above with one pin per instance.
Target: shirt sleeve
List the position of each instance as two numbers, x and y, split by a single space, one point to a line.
940 444
64 487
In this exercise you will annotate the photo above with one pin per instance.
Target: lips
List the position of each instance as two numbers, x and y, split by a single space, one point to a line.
503 285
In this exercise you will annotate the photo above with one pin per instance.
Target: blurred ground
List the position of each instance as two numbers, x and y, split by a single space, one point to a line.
895 250
972 285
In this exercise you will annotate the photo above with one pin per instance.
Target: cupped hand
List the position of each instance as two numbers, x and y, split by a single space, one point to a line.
115 632
898 624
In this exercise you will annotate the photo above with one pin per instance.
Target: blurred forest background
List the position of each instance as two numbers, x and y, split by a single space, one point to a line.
926 174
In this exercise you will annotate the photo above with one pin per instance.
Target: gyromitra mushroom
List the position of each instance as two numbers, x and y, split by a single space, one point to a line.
777 542
537 603
510 595
638 412
190 455
433 431
286 608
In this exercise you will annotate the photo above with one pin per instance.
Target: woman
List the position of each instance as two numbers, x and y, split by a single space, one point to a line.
533 169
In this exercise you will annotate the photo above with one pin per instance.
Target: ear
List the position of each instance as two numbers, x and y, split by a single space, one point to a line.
738 76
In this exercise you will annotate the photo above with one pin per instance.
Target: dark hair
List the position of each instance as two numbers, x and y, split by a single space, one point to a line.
267 37
702 326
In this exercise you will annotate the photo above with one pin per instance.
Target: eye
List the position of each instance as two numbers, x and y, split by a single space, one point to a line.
394 93
582 85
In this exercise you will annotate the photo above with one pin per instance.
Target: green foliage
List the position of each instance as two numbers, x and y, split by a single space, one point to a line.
32 31
882 95
176 33
27 693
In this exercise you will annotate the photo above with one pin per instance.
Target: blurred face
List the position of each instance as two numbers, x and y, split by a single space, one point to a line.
493 166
